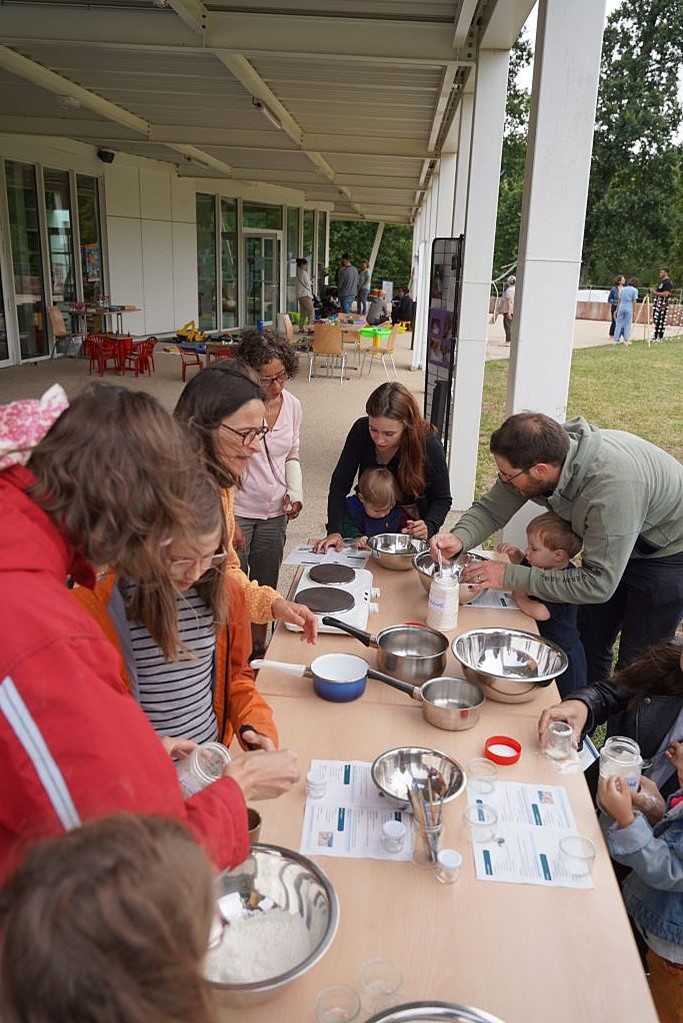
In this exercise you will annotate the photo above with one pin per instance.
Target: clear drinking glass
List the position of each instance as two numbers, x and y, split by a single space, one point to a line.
576 855
379 981
426 843
338 1004
482 775
481 822
558 745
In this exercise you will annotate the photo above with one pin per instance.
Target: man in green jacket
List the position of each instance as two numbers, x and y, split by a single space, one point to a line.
622 495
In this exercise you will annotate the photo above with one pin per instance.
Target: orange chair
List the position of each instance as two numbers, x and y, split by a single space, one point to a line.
327 344
383 352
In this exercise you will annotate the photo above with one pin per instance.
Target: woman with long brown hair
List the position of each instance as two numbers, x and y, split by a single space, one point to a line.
111 482
393 435
224 407
109 923
203 690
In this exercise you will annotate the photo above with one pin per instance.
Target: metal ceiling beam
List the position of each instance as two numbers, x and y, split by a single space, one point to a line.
441 105
463 22
192 12
340 38
49 80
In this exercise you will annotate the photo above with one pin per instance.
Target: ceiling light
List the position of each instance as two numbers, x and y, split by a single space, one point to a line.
267 113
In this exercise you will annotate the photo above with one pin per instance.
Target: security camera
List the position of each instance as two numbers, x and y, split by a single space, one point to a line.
105 155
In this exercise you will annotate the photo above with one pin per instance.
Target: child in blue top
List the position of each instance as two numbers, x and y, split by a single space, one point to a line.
650 842
374 509
551 544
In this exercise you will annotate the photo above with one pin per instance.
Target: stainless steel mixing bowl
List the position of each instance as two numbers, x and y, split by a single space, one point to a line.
510 664
397 770
396 551
425 566
433 1012
273 878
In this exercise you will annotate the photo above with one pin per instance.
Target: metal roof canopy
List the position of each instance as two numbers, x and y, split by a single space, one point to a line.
348 101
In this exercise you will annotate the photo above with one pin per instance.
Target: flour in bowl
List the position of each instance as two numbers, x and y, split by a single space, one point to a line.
259 946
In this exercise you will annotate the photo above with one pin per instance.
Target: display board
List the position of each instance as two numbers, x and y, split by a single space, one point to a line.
445 286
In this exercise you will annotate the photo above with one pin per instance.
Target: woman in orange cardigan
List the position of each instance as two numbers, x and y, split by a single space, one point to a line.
205 690
223 405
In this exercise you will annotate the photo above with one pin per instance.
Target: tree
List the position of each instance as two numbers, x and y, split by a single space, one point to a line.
512 161
394 259
634 217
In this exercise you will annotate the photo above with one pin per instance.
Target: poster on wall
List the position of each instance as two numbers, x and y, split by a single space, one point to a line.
91 262
445 282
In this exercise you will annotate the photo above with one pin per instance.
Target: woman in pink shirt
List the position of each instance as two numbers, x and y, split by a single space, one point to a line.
271 490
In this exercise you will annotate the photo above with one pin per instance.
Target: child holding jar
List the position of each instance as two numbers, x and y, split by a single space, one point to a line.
650 842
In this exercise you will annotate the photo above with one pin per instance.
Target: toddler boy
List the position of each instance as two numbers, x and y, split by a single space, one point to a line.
374 509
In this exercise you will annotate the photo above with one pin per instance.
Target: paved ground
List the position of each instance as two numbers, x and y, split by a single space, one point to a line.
329 409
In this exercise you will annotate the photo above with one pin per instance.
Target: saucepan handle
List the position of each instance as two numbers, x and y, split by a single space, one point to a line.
299 670
365 637
396 683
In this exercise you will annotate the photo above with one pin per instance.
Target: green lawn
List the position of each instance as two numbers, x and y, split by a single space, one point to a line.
635 389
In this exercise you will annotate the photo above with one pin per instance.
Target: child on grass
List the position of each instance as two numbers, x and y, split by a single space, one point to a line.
374 509
650 842
551 544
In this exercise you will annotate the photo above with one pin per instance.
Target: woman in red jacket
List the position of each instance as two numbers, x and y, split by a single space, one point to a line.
109 484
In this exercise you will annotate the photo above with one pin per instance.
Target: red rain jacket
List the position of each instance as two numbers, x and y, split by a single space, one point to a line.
73 746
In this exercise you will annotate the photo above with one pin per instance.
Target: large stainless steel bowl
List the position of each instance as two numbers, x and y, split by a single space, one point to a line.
510 664
272 880
396 551
433 1012
397 770
425 566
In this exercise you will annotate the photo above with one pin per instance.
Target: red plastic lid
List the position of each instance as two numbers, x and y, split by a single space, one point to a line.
502 749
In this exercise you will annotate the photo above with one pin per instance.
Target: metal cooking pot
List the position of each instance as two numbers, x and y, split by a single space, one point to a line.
336 677
433 1012
413 653
449 703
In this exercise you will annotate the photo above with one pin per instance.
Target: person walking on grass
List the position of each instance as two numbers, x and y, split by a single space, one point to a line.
661 302
624 318
613 300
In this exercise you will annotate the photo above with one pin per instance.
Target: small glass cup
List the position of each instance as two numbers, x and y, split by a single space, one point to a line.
338 1004
558 743
481 776
254 825
393 835
316 784
426 843
576 855
379 982
481 821
449 862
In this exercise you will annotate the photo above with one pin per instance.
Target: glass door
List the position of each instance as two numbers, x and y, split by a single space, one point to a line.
4 344
262 277
27 262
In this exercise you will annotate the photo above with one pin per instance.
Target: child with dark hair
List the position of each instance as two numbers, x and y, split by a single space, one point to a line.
551 544
109 922
650 842
374 509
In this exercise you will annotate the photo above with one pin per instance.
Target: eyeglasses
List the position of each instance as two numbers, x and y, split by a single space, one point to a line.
210 561
508 479
248 436
281 378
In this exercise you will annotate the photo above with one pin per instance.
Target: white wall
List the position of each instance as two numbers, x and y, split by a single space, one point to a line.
152 244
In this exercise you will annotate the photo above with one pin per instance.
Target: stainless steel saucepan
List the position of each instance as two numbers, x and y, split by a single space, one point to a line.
413 653
449 703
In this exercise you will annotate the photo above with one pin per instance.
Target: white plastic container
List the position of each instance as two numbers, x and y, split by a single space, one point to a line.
443 604
204 765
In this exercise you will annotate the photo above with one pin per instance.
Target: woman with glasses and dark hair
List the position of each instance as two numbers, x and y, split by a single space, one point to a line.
199 687
271 492
224 407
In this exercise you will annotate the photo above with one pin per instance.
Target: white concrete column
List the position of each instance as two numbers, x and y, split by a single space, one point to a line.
560 140
463 166
375 246
558 160
425 249
480 231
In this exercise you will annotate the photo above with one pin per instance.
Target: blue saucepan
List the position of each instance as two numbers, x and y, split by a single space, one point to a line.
336 677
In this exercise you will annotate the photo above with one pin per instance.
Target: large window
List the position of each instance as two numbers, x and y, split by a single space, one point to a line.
206 261
27 266
309 231
268 218
229 262
322 232
90 238
292 256
60 246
